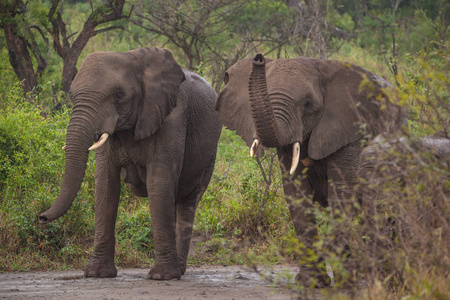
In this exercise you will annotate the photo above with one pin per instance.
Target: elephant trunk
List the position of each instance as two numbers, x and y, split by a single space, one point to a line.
80 135
261 106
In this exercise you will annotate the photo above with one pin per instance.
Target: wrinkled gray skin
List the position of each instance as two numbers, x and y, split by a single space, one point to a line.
163 138
316 103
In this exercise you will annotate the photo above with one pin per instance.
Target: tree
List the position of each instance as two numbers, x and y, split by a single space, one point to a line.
217 33
20 42
17 24
200 32
317 23
106 13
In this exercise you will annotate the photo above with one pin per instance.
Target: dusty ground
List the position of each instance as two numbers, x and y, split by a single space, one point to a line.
204 282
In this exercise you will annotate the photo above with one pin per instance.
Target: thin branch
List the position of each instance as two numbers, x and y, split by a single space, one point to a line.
42 63
107 29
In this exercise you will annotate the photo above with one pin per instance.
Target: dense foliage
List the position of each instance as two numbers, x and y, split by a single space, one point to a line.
242 217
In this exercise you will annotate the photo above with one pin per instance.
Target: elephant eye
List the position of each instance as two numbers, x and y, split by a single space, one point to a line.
118 95
226 77
308 103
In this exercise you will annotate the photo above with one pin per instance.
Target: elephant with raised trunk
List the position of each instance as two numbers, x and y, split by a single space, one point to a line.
315 114
155 125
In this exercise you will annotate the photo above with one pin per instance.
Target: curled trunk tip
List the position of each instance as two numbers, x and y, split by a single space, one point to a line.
44 219
259 60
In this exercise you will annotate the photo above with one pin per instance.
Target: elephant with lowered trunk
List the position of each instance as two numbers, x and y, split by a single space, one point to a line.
315 113
155 125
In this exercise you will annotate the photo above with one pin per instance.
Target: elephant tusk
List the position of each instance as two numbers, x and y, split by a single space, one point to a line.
100 142
254 147
295 157
64 148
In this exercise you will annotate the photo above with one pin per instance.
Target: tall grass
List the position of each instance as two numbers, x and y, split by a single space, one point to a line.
31 172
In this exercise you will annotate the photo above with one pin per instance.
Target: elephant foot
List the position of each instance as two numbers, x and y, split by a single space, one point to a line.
183 268
100 270
165 272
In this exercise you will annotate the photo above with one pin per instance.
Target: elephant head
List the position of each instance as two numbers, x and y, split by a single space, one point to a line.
114 91
317 107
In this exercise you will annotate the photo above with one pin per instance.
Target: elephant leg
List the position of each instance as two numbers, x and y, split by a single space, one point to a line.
342 168
186 207
299 197
161 193
301 191
107 192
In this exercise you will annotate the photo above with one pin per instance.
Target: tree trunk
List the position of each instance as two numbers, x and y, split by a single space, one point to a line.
316 28
20 58
69 71
71 52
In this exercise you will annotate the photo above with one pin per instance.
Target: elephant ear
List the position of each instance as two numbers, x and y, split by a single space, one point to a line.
233 104
161 79
354 105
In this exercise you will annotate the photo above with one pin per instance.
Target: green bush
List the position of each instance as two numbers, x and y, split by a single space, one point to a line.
135 228
235 200
31 170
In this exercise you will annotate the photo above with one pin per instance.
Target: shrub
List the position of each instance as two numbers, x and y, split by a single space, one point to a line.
404 191
31 170
406 220
236 201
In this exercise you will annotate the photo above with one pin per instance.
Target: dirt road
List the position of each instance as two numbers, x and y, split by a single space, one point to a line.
204 282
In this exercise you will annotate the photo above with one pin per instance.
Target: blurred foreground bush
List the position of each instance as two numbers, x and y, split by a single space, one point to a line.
405 190
404 194
392 239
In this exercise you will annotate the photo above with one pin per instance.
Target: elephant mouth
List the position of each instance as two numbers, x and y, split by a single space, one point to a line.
100 141
297 154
